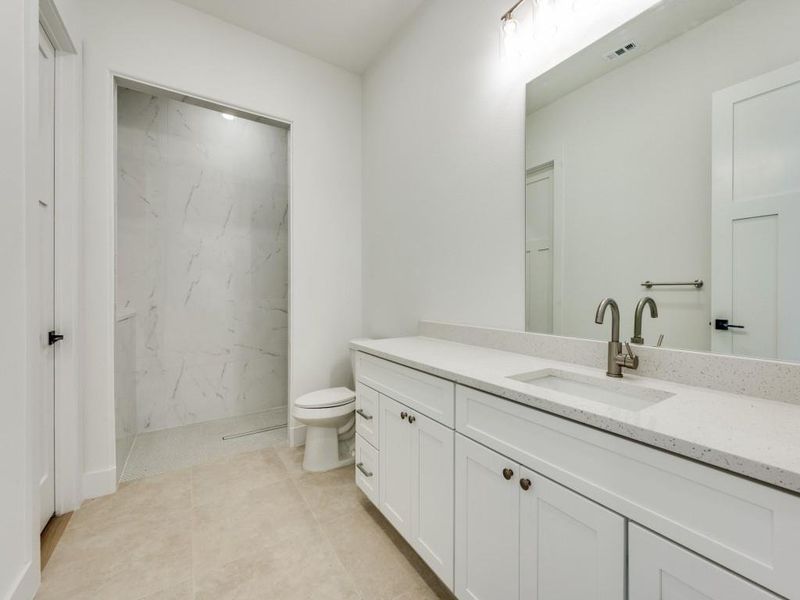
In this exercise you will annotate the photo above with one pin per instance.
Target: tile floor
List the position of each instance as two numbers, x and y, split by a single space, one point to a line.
253 525
167 450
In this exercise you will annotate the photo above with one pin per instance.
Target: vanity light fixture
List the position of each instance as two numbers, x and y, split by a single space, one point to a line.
510 32
228 117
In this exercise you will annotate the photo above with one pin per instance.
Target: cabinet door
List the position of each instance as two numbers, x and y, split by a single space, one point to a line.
661 570
395 465
487 523
570 548
432 494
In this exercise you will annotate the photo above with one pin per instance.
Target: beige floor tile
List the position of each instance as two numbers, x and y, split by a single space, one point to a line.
181 591
292 459
294 570
170 491
235 527
235 476
249 526
433 592
331 495
121 558
382 565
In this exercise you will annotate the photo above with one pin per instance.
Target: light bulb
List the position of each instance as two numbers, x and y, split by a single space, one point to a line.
512 44
510 27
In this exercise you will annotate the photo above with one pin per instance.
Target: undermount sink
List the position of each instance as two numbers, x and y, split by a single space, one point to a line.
613 393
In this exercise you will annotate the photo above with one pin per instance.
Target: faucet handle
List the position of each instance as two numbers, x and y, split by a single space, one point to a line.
629 360
660 341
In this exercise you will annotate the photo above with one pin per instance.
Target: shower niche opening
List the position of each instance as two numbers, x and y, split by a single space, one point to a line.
202 281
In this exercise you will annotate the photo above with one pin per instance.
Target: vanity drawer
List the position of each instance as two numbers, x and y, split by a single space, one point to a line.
432 396
747 527
367 464
367 413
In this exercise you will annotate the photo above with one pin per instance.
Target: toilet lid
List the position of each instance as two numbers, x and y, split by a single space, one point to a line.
326 398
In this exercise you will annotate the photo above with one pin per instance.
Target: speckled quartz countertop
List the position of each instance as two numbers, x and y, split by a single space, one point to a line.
748 436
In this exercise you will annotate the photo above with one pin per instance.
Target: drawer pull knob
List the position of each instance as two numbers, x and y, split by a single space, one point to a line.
525 484
366 416
411 418
508 473
403 415
364 472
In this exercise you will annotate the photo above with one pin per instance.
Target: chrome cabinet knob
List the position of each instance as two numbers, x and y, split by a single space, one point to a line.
403 415
525 484
508 473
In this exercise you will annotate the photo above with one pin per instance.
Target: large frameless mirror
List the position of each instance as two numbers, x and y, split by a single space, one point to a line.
663 161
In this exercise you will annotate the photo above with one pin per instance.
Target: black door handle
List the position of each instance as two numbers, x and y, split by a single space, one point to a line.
53 337
723 325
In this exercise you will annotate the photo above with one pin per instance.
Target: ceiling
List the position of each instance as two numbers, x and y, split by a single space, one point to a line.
348 33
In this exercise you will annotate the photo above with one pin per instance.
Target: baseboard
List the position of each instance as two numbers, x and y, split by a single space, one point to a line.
27 583
297 436
99 483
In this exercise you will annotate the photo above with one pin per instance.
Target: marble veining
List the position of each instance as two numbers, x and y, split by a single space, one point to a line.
749 436
202 258
124 386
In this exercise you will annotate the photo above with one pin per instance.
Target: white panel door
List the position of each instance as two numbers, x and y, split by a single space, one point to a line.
396 473
756 216
432 494
661 570
570 548
539 205
487 523
46 214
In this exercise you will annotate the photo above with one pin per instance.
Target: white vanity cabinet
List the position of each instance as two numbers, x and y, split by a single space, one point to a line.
416 463
487 523
415 456
507 502
661 570
520 535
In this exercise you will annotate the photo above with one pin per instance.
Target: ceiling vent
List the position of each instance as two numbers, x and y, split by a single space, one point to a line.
622 50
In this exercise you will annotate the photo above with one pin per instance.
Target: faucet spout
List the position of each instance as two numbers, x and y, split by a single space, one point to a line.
637 319
616 357
601 313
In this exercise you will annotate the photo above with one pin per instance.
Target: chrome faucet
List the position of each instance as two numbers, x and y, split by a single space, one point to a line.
637 318
616 358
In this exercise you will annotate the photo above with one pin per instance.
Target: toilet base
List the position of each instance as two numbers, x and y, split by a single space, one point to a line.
322 450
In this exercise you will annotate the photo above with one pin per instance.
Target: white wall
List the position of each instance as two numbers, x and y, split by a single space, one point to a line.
444 163
19 562
168 44
635 146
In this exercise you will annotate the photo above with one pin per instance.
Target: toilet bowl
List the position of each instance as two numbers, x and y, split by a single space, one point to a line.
329 415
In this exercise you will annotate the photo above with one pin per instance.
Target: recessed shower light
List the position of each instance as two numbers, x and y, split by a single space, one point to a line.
228 116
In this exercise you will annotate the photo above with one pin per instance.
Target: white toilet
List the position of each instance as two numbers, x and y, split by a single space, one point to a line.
329 416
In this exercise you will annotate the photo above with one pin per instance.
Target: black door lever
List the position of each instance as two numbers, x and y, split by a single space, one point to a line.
723 325
53 337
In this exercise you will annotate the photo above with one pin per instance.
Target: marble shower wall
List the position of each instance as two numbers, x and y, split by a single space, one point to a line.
202 260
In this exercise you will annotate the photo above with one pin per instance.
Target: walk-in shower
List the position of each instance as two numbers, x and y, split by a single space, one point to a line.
202 281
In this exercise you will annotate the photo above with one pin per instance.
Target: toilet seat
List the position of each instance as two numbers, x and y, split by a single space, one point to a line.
327 415
329 398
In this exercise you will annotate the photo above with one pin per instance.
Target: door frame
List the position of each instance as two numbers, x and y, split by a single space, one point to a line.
556 163
68 123
100 483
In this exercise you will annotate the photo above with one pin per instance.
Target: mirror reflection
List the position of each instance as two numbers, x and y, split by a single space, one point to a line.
663 170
